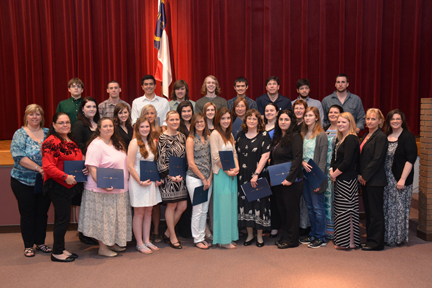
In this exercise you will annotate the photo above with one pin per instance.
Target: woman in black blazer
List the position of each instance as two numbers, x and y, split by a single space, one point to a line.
372 177
401 156
287 146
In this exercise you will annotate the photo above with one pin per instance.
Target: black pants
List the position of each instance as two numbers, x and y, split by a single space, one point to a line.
375 226
288 201
33 210
62 211
275 216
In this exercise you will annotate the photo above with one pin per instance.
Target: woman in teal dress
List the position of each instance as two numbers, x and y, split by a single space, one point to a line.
225 225
330 130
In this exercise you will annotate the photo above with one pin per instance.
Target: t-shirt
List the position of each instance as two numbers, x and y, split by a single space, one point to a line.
99 154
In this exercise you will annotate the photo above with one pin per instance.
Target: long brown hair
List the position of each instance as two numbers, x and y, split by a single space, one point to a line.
317 128
117 141
150 140
117 109
227 135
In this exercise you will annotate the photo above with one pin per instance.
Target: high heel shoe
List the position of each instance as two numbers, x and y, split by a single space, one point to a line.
247 243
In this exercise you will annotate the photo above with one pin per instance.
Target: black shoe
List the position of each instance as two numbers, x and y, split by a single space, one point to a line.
258 244
307 240
278 242
370 248
285 245
317 243
73 255
247 243
87 240
68 259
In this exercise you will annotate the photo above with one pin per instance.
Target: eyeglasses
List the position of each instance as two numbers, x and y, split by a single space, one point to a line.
63 123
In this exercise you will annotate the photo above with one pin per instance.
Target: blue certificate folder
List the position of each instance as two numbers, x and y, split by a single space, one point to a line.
316 176
227 160
75 168
262 190
177 166
278 173
149 171
38 188
236 128
109 177
200 195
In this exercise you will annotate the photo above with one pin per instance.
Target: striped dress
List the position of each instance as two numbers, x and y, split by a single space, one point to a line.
346 204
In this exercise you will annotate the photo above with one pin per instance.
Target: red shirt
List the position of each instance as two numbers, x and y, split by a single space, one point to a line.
54 153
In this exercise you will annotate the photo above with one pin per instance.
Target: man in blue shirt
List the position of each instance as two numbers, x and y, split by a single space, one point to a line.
273 96
240 86
303 90
348 101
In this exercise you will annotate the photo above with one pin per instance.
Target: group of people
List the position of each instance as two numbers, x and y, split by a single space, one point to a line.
274 130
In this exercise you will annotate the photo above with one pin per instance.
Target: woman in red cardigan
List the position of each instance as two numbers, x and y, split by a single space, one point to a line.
61 188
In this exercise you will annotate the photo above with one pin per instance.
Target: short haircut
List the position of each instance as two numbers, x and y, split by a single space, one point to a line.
76 81
241 79
300 102
342 75
177 85
111 82
148 77
272 78
302 82
31 109
253 112
341 110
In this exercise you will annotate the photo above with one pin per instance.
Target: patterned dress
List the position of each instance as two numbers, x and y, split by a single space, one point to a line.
256 213
328 194
397 203
171 192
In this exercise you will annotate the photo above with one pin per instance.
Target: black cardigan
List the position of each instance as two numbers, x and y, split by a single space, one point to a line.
405 151
372 159
290 152
346 158
82 134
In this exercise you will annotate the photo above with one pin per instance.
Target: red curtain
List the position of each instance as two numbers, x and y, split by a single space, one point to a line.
383 45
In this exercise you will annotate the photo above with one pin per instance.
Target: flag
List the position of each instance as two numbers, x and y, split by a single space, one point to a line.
163 68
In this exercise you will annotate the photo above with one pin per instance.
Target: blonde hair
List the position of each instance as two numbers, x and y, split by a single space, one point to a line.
317 128
378 113
352 128
218 89
31 109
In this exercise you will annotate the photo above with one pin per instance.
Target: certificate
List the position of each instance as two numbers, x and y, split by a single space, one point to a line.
75 168
149 171
109 177
262 190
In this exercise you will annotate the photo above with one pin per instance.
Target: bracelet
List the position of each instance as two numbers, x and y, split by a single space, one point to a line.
37 168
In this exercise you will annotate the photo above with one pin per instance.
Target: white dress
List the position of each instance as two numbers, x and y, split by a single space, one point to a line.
146 196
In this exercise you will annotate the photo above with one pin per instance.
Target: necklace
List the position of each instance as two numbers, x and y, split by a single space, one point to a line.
39 140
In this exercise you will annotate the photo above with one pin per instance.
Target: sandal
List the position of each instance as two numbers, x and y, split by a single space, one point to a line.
207 243
152 246
44 248
29 252
144 249
176 245
201 245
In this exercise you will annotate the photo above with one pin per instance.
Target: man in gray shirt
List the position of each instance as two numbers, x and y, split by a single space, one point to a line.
106 108
240 86
349 102
303 90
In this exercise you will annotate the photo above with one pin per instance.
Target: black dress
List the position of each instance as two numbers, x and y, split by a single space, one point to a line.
256 213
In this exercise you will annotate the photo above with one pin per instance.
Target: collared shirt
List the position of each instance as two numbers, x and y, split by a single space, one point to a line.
106 108
161 105
352 104
70 106
252 104
313 103
174 103
281 101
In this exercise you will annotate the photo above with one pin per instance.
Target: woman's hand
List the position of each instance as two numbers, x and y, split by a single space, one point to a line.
286 183
70 180
176 179
206 183
158 183
254 181
85 171
400 184
317 190
41 171
332 176
361 180
306 166
145 183
232 172
108 189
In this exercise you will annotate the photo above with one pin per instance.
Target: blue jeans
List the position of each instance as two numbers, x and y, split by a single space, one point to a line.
315 204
